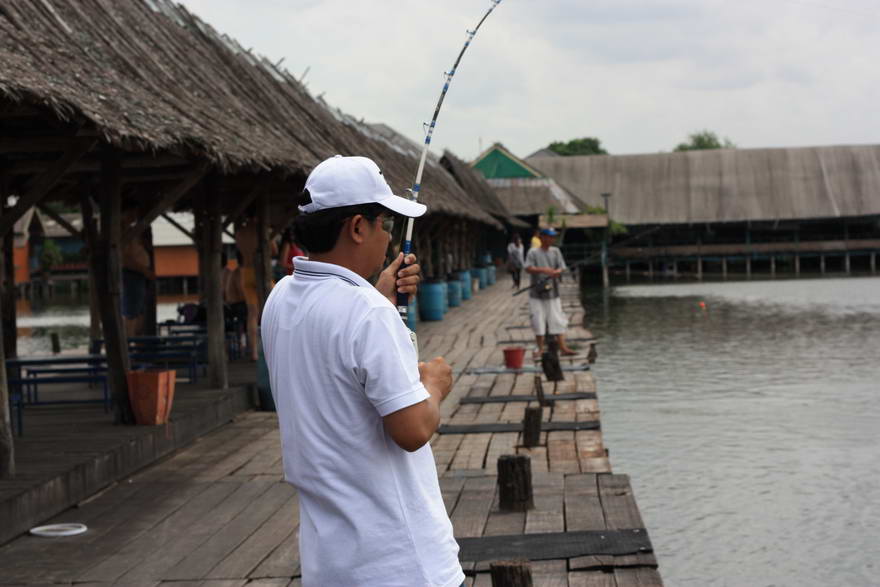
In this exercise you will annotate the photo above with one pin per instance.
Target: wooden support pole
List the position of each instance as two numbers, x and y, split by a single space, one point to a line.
243 204
748 267
627 265
214 294
797 265
700 268
7 275
515 483
263 262
7 445
150 327
724 267
822 264
106 265
846 263
873 262
539 392
773 266
515 573
531 435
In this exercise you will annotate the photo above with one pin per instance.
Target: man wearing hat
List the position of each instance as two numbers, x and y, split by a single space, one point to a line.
545 265
355 407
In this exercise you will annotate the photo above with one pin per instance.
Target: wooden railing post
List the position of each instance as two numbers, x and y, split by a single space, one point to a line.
515 483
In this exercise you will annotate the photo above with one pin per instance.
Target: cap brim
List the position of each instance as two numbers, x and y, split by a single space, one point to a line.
403 206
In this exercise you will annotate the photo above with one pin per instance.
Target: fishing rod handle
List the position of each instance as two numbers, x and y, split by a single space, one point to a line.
403 298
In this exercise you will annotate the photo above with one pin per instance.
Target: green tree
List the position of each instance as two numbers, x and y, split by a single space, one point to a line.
50 256
705 139
583 146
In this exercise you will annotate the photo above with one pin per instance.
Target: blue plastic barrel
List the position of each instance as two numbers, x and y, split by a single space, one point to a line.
453 293
445 297
412 313
483 274
490 275
465 279
431 299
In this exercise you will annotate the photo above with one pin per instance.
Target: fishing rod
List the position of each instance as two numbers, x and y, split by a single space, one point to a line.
546 281
402 298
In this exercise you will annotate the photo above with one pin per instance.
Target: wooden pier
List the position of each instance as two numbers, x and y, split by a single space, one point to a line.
218 514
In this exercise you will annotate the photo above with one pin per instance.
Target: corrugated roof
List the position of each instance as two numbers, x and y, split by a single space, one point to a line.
726 185
529 196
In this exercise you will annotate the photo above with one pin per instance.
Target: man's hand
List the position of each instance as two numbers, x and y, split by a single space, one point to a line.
392 280
436 376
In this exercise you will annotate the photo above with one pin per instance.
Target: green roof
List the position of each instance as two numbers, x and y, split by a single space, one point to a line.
497 163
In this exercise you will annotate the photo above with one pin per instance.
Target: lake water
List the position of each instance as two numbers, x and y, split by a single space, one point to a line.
750 426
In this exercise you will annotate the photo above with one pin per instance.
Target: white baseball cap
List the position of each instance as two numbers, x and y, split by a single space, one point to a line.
349 181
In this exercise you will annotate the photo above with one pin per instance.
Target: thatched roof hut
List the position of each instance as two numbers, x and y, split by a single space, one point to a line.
478 189
726 185
152 80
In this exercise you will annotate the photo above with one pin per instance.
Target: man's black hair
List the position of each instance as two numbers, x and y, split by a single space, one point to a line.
318 232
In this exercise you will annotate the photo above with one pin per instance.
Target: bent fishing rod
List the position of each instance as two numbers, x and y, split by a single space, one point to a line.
546 281
402 298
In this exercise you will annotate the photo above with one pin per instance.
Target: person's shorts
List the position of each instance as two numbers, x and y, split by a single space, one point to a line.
134 293
547 316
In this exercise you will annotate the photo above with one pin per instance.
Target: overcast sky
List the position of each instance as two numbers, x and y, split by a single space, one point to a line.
638 74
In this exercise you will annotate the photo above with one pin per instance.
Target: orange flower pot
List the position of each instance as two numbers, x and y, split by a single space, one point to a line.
513 357
151 394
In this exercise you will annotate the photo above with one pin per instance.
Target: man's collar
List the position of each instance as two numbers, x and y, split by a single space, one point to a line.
317 269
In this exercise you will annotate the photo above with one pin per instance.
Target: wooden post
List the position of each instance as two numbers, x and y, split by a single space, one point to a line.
772 265
700 268
627 271
651 269
822 264
263 260
107 268
7 275
56 343
748 267
539 392
724 267
150 301
873 262
516 573
214 294
531 435
515 483
846 263
7 445
797 265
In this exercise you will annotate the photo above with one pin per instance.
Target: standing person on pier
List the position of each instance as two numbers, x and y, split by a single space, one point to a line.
355 407
515 259
545 265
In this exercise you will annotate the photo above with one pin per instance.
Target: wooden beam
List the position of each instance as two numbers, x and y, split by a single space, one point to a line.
166 202
41 185
178 226
30 166
60 220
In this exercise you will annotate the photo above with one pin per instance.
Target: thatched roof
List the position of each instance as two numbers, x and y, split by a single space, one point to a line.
478 189
726 185
147 76
524 196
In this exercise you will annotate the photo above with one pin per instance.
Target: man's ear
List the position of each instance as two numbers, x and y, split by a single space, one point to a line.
356 228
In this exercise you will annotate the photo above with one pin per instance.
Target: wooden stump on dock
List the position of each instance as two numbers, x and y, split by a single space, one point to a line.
516 573
531 434
515 483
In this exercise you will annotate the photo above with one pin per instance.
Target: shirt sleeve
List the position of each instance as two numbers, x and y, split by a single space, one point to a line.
530 258
386 362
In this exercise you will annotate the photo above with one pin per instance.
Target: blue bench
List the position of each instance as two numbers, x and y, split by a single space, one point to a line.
28 387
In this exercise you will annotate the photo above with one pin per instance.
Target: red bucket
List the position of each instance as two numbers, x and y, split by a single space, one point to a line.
513 357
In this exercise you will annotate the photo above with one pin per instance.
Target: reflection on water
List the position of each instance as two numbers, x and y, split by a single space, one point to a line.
749 426
69 317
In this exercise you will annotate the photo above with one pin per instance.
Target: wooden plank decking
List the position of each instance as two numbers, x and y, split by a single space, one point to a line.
218 513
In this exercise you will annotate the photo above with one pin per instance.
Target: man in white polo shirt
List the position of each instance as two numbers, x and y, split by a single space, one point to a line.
355 407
